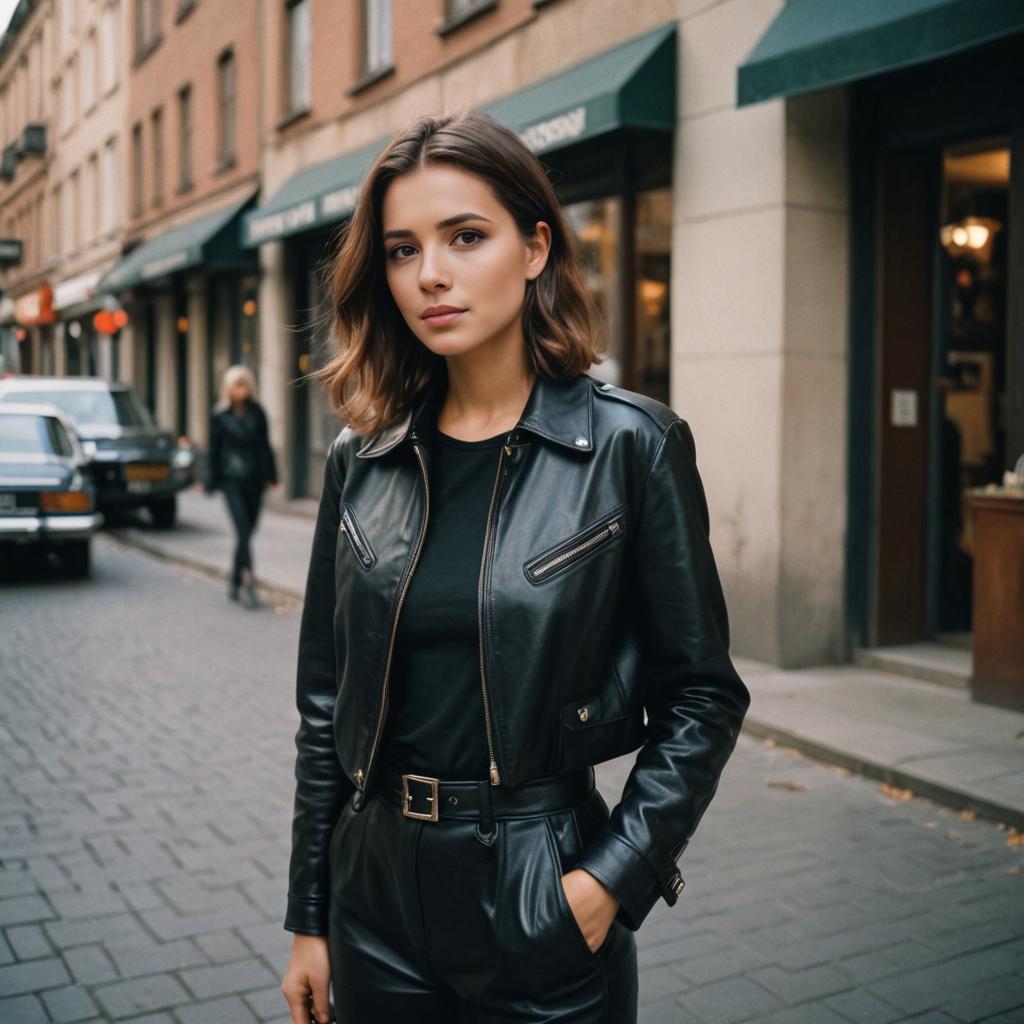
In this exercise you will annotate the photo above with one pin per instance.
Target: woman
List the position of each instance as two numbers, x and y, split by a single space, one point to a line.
510 568
241 464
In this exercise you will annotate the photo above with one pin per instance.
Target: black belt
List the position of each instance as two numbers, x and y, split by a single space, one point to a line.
428 799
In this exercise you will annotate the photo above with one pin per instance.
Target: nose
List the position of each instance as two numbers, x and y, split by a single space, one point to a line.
432 269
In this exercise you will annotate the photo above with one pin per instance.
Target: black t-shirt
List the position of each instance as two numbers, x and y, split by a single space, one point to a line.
435 722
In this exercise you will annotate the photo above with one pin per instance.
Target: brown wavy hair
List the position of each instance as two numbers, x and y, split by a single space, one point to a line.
381 366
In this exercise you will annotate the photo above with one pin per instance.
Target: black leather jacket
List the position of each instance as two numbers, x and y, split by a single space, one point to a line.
239 448
603 626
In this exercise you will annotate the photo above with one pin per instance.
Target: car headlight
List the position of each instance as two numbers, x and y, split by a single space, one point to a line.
182 458
77 481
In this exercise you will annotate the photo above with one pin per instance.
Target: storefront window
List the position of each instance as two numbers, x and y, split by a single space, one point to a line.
595 224
629 239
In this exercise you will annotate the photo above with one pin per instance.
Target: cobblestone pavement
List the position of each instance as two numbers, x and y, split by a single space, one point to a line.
146 731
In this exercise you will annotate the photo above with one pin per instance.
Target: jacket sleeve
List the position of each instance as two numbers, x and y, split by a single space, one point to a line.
213 454
694 699
321 785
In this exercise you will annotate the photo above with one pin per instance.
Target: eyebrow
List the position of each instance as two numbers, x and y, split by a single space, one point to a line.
440 225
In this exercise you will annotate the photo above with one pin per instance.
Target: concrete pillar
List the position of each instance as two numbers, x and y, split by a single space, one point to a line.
759 313
276 314
166 364
60 352
126 353
198 360
104 356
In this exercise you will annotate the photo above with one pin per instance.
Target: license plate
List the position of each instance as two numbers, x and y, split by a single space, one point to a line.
139 486
147 471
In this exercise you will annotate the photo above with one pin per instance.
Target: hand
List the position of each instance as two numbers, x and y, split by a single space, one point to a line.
306 980
275 487
593 906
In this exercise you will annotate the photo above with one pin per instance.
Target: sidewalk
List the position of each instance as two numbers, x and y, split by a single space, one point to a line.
920 736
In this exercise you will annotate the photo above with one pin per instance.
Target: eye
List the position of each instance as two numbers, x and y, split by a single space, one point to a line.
396 252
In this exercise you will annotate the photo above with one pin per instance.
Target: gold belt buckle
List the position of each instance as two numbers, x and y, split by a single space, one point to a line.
407 797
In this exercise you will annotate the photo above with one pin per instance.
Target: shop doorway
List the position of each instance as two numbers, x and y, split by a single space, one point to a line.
970 358
942 378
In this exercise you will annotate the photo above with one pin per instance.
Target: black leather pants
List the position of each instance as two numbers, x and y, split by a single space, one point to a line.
244 500
430 924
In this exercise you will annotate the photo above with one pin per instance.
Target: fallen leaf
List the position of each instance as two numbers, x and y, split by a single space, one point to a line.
786 784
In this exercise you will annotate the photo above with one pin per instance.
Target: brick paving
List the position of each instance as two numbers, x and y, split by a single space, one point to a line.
146 731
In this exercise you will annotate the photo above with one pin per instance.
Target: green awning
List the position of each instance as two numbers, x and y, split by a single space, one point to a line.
208 240
814 44
321 194
632 85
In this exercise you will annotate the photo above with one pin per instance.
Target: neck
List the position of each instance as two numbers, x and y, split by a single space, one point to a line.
487 391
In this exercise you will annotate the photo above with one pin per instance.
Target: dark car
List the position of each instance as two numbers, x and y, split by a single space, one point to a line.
47 500
133 462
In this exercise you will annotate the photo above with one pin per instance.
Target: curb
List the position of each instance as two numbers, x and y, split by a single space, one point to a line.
949 796
277 591
957 799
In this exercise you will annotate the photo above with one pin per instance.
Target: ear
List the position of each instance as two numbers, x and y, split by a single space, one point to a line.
539 247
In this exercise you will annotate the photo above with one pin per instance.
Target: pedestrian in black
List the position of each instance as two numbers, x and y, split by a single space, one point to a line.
511 580
241 464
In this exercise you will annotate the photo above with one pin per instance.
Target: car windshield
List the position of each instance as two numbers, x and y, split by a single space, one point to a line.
93 406
30 434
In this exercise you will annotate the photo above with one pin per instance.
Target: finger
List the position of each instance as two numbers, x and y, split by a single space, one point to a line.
321 1006
298 1004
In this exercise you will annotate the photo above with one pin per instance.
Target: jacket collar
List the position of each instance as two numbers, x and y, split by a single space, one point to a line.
561 411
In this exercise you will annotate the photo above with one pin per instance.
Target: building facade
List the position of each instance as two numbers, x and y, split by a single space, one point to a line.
803 232
192 141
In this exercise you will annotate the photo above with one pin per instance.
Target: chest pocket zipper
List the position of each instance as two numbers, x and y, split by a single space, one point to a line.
570 550
356 538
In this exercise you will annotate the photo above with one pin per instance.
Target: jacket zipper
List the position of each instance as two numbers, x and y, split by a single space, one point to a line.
607 533
484 578
363 778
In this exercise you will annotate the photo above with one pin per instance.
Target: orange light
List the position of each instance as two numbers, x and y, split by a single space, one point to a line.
182 324
249 307
65 501
103 321
120 317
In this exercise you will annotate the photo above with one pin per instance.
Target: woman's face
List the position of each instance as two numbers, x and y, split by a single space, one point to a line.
239 390
449 242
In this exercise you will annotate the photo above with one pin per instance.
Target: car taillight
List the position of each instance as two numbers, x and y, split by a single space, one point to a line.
65 501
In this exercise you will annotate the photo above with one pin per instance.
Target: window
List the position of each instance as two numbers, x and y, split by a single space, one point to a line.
88 200
226 94
377 35
111 188
55 221
108 47
67 97
137 198
68 21
298 97
89 71
157 132
185 137
74 209
147 24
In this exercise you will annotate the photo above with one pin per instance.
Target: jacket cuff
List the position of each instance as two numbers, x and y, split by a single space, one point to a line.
628 875
308 916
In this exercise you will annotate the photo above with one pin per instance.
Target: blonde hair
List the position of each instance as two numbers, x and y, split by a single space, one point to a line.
231 375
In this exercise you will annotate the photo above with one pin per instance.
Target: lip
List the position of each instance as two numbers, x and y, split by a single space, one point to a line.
439 316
